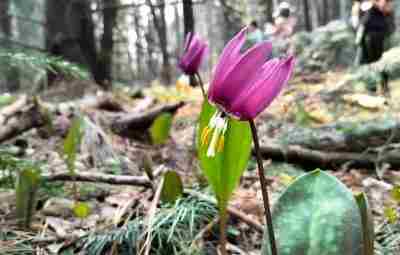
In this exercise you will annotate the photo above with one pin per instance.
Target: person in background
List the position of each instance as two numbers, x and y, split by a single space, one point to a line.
374 28
376 24
284 22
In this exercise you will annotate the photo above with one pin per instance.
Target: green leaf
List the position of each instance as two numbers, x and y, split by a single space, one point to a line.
367 223
26 189
172 187
159 130
72 143
223 171
81 210
391 214
395 193
316 215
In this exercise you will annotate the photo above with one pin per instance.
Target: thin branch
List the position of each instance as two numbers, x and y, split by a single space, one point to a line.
138 5
100 178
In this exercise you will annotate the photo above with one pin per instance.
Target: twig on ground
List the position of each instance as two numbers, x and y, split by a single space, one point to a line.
102 178
150 218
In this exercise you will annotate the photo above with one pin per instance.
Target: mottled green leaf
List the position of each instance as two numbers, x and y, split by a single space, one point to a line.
81 210
172 187
223 171
72 143
316 215
160 128
367 223
26 188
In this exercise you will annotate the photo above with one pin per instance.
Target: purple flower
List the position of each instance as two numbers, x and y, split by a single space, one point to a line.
194 52
244 84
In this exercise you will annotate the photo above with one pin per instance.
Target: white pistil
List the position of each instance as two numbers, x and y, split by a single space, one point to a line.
219 125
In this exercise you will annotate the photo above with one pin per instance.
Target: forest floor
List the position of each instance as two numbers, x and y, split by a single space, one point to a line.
118 213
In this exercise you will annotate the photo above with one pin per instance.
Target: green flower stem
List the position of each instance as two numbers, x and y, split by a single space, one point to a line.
264 189
200 81
222 229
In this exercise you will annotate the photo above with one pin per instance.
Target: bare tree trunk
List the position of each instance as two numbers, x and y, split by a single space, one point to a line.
12 74
150 51
104 72
269 9
188 16
70 34
138 44
307 17
5 21
325 11
335 10
160 25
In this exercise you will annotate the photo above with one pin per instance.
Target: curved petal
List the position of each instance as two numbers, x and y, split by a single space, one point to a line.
239 76
192 57
264 91
197 60
230 53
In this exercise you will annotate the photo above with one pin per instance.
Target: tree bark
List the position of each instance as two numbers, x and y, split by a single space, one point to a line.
269 9
188 16
70 34
138 45
161 27
325 11
307 17
12 74
104 73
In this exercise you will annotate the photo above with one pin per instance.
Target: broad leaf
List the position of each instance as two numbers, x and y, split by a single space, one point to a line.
223 171
316 215
368 223
160 128
26 188
172 188
72 143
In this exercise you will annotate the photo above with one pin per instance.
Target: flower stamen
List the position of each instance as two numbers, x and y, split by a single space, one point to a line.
217 126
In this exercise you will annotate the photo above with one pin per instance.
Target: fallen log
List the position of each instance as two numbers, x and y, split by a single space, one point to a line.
312 159
130 124
20 117
100 178
342 137
102 102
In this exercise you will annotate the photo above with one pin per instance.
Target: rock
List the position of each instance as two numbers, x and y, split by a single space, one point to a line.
60 207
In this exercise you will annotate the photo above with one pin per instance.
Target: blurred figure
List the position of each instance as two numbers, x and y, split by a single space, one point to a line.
284 22
374 25
255 35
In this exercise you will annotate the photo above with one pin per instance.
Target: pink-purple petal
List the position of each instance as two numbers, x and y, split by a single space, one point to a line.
230 53
195 49
265 91
240 75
